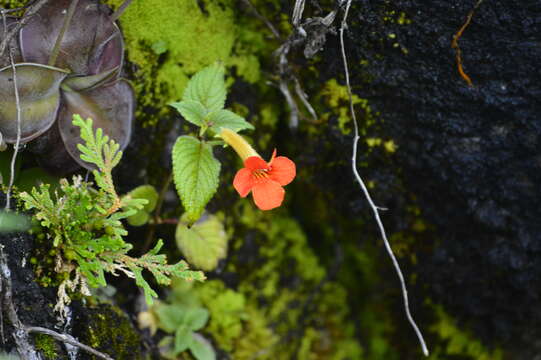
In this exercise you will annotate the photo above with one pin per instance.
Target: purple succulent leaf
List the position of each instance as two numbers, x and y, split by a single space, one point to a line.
108 54
88 34
111 107
80 83
39 96
52 154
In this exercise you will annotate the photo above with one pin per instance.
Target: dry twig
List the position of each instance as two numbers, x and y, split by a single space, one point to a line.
68 339
262 18
375 209
454 44
18 107
286 74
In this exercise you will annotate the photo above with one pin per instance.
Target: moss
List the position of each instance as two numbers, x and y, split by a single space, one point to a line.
47 346
108 329
336 97
170 41
227 309
12 4
286 285
458 341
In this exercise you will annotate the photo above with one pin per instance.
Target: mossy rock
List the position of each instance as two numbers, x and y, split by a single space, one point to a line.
108 329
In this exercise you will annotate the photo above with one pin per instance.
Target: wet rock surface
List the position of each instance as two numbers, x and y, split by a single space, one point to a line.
468 154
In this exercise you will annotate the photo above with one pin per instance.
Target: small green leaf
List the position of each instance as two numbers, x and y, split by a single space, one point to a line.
140 218
147 192
201 348
192 111
195 172
196 317
225 118
183 339
203 244
170 317
208 88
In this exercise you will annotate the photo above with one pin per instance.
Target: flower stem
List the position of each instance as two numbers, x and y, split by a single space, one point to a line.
238 143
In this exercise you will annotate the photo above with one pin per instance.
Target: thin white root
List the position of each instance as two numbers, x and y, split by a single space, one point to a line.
375 209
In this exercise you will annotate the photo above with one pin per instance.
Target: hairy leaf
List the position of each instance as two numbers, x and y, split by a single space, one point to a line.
203 244
208 88
192 111
227 119
195 172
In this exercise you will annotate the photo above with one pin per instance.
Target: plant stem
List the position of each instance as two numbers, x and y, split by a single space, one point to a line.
120 10
65 25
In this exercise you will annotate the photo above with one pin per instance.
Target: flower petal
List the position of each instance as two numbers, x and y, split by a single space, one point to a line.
268 194
243 182
255 163
283 170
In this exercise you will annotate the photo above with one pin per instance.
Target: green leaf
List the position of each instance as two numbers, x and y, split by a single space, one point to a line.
201 348
183 339
204 244
147 192
192 111
170 317
208 88
225 118
140 218
142 283
144 192
195 172
195 318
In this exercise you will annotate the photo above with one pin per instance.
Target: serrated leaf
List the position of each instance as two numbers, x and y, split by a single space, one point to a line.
201 348
192 111
203 244
208 88
225 118
195 172
183 339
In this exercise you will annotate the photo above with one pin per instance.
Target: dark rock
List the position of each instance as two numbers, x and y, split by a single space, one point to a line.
469 154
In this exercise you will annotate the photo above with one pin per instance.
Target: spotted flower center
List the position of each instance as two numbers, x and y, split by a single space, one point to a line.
261 174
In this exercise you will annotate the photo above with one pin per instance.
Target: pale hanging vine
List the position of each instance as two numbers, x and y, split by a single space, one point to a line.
358 178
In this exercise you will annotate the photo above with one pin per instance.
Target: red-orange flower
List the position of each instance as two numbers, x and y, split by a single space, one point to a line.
265 180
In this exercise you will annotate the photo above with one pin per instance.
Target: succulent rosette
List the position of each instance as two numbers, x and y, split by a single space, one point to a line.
66 64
